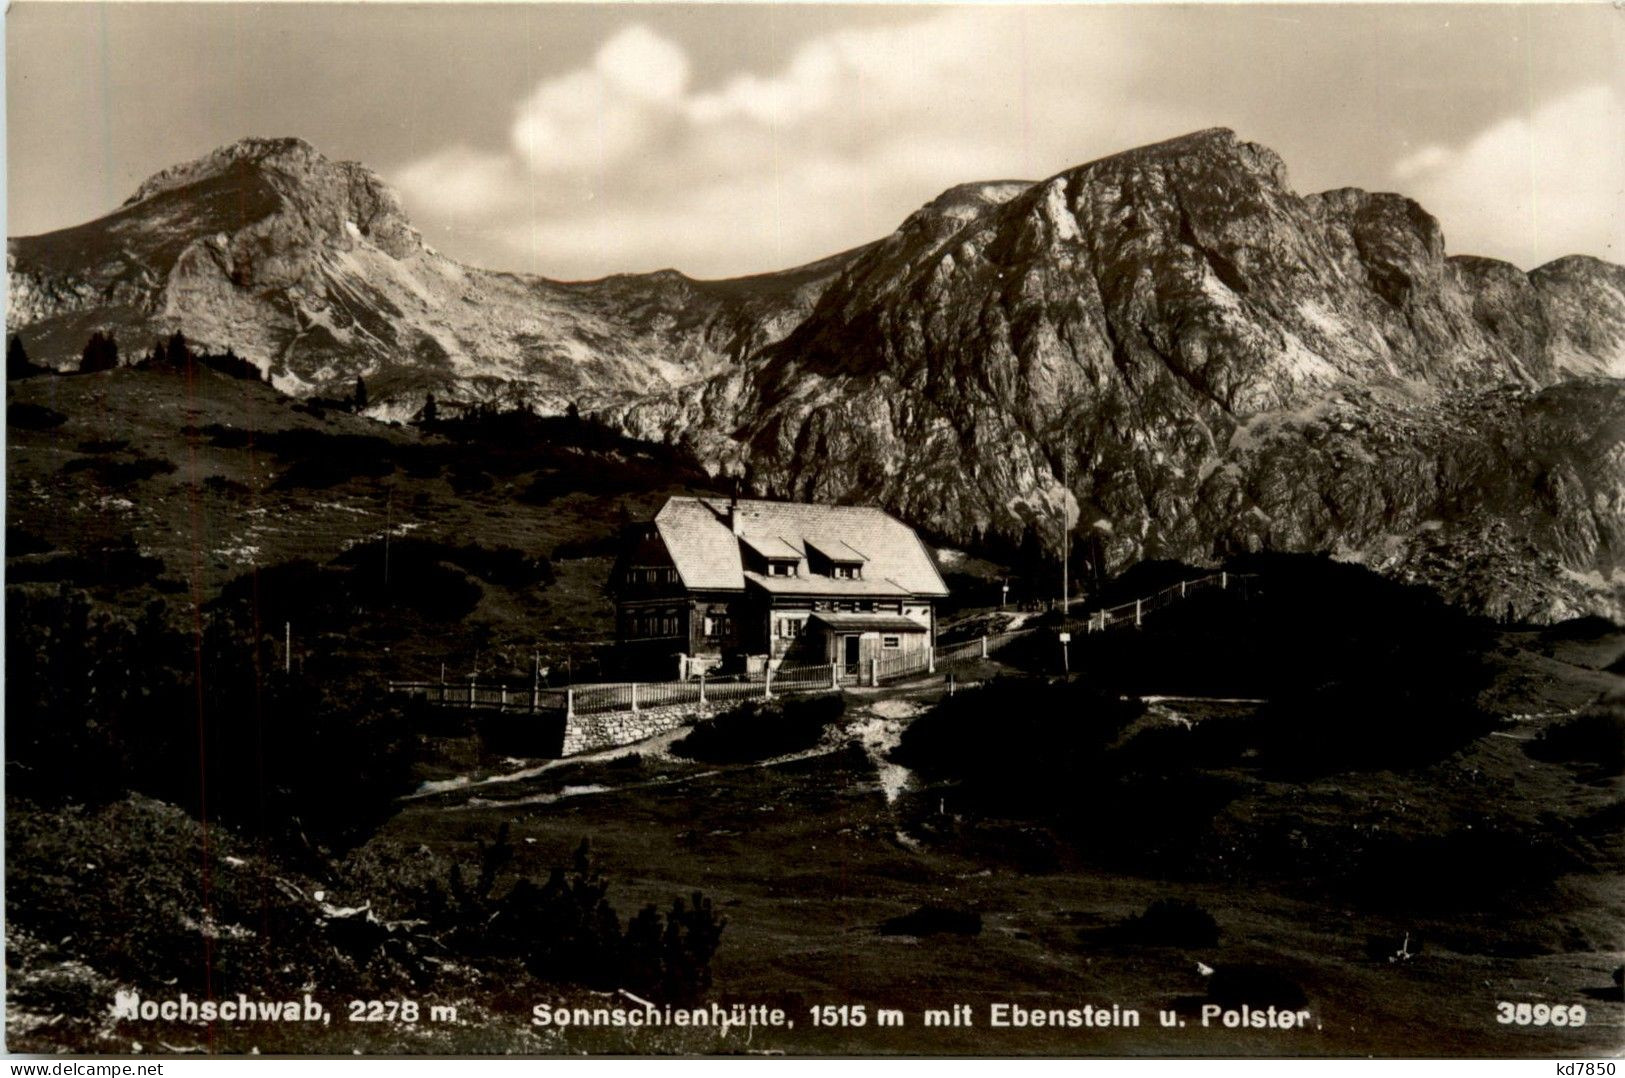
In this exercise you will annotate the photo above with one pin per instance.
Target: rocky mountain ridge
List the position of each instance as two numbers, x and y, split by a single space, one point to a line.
1108 343
311 269
1168 349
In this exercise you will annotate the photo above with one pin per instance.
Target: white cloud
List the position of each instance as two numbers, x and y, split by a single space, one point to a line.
581 124
622 156
1534 187
461 182
630 162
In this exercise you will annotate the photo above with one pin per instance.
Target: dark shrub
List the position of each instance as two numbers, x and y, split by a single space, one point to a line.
1292 626
1595 737
1483 867
1218 741
223 437
1159 820
761 729
219 484
1590 627
1017 744
98 704
932 921
125 883
315 596
1256 986
503 566
607 545
100 354
108 445
18 365
119 474
1171 922
232 366
434 578
467 480
113 565
26 416
320 460
1374 726
21 541
565 930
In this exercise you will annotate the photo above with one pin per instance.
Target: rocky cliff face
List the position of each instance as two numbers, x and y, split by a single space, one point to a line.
1192 359
310 268
1168 348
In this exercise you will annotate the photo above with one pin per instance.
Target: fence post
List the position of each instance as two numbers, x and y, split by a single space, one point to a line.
471 690
634 696
874 673
984 645
767 680
702 688
504 697
1136 613
834 675
569 704
930 658
1224 580
1181 589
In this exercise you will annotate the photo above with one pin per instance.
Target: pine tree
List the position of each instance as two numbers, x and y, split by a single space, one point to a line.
431 411
360 393
177 354
18 365
100 354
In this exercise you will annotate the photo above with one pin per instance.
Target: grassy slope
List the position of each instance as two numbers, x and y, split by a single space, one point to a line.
805 857
222 512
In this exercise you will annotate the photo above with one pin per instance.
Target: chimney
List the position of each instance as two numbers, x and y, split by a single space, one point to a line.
735 522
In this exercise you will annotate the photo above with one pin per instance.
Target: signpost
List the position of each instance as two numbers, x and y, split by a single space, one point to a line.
1066 662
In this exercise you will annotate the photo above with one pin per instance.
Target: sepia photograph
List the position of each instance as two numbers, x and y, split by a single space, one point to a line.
815 530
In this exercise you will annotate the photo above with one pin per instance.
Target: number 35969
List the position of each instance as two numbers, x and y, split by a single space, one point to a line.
1539 1014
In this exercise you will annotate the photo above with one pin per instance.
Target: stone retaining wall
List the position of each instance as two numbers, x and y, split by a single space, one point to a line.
590 733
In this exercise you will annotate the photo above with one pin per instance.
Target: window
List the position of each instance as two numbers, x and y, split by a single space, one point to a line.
789 628
846 572
891 643
781 568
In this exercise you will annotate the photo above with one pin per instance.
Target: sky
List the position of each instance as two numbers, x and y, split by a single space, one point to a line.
578 140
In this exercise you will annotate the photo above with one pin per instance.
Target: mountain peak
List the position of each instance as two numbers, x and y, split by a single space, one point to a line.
285 154
1214 147
342 200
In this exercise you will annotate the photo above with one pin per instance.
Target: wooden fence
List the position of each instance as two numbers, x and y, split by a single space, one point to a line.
633 696
630 696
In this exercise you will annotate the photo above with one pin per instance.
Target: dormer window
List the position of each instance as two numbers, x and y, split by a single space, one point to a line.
781 567
834 558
